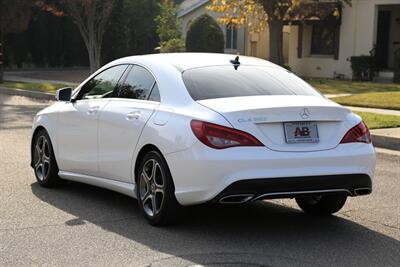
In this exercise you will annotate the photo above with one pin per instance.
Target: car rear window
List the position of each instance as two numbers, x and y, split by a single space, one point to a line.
225 81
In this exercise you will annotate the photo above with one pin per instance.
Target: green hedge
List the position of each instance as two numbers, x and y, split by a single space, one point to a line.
205 35
363 67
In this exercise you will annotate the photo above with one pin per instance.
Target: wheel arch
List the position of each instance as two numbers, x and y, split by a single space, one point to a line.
143 151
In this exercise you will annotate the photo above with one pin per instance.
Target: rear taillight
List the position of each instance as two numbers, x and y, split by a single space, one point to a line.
358 133
218 136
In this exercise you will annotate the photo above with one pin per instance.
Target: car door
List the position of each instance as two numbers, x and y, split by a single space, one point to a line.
121 123
78 123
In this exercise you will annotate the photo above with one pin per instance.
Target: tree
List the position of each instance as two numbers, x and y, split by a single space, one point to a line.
14 17
132 29
168 28
91 18
257 13
205 35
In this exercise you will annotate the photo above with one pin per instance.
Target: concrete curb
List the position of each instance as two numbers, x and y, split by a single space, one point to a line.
26 93
388 142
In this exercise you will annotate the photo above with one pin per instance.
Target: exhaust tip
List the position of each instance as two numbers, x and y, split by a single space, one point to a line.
236 199
362 191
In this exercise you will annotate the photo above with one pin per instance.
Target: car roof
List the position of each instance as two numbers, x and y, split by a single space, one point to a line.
185 61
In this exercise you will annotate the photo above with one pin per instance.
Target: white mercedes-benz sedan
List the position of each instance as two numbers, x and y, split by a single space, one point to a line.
182 129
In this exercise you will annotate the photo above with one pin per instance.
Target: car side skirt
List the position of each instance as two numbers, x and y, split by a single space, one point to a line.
121 187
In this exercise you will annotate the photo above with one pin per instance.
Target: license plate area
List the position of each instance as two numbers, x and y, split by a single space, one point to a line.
301 132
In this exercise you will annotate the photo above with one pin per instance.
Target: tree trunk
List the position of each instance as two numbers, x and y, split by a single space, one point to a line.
1 73
276 41
94 53
1 57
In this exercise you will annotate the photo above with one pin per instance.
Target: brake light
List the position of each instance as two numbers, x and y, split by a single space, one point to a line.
219 137
358 133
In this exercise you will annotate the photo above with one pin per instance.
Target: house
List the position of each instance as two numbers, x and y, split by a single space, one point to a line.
321 47
237 39
191 9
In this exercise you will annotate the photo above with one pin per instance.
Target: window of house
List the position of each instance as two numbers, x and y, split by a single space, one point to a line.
323 38
231 36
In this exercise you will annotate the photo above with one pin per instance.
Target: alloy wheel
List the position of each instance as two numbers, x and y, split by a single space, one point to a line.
42 158
152 187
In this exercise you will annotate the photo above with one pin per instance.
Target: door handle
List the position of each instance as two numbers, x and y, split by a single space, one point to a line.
93 110
134 115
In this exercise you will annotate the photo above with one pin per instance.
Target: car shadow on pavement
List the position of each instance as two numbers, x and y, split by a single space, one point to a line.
256 234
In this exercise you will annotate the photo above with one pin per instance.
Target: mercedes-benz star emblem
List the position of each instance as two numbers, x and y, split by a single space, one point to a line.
304 113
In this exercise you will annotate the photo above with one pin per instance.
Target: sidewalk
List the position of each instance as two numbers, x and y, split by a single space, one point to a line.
376 110
13 78
69 76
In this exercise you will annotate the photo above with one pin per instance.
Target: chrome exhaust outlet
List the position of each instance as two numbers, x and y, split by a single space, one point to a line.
236 199
362 191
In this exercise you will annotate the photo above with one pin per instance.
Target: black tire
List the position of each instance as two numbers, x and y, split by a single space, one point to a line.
44 164
149 187
321 205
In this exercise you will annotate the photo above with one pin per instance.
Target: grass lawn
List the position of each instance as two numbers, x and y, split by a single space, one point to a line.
364 94
330 86
379 121
41 87
389 100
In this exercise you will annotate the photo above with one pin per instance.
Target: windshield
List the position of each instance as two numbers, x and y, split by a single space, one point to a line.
225 81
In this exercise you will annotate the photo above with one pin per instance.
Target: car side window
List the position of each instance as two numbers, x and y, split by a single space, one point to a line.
137 85
102 85
155 94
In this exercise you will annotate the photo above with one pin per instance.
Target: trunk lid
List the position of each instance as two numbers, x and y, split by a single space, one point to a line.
264 117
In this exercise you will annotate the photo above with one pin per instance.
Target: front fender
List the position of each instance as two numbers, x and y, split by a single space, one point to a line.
46 119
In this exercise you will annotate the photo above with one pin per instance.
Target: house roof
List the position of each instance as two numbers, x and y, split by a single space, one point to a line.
188 6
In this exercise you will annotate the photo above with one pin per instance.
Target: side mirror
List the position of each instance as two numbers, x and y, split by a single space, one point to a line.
64 94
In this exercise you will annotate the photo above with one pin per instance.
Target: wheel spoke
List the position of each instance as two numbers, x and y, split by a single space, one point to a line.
38 166
38 149
46 159
43 170
144 188
43 148
145 174
144 178
146 197
158 177
153 204
37 162
160 190
153 169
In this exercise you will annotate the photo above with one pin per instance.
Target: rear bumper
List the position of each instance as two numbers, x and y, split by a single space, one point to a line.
202 174
288 187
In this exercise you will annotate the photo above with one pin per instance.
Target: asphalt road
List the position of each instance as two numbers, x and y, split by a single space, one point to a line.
82 225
